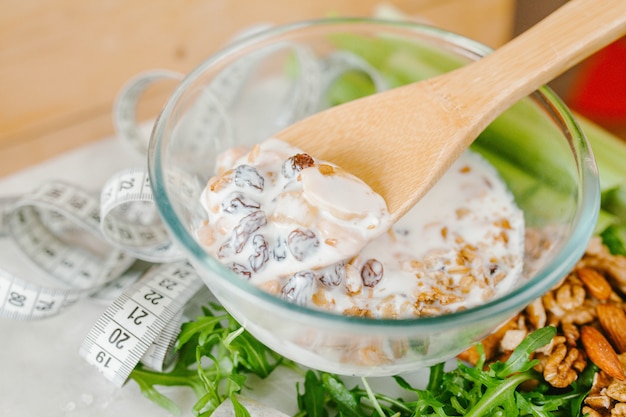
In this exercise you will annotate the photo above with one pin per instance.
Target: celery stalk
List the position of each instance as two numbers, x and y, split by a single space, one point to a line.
400 61
521 133
350 86
610 154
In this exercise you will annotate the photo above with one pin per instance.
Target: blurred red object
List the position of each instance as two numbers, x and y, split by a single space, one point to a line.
598 90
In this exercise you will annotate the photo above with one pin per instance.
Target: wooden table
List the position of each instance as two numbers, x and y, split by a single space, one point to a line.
62 62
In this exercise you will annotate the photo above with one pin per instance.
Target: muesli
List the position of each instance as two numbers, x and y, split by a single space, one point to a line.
315 235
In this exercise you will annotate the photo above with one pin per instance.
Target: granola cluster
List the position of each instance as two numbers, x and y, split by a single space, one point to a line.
588 310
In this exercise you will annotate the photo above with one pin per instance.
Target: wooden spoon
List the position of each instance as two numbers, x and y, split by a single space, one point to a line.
400 142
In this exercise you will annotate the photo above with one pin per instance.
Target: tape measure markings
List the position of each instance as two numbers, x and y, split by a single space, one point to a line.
126 197
71 264
50 253
27 220
124 106
24 301
161 351
126 330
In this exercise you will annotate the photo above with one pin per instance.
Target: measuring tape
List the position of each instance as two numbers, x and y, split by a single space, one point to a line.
135 326
112 246
57 227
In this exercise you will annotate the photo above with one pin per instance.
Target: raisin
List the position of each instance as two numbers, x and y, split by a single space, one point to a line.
247 225
372 272
300 287
301 242
240 270
279 252
225 250
238 201
295 164
333 275
248 176
261 253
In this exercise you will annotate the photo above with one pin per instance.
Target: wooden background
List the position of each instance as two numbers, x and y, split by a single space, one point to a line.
62 62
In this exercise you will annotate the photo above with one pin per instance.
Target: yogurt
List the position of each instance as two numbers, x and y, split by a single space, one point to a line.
315 235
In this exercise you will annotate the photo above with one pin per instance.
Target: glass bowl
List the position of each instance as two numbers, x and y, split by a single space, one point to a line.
263 82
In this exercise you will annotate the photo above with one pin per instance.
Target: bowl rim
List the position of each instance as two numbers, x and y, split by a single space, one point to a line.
583 226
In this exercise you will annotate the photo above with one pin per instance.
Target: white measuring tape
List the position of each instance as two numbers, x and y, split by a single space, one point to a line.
112 246
57 227
135 326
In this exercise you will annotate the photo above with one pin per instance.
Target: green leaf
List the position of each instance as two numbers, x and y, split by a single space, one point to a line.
342 397
202 328
235 383
428 405
614 201
254 355
500 394
206 405
519 361
313 399
240 410
581 387
404 384
435 378
215 356
148 390
614 237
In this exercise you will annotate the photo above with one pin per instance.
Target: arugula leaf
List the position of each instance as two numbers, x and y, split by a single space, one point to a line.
215 356
312 401
253 355
614 237
342 397
519 359
240 410
435 377
147 389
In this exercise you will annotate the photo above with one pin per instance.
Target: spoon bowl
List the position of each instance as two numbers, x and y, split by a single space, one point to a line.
401 141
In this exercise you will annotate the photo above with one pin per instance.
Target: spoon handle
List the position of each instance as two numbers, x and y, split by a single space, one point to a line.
537 56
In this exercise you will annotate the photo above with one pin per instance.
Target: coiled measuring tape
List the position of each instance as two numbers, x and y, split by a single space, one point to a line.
57 227
112 247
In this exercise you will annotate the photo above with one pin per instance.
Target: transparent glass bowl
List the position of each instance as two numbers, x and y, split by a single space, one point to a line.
267 80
